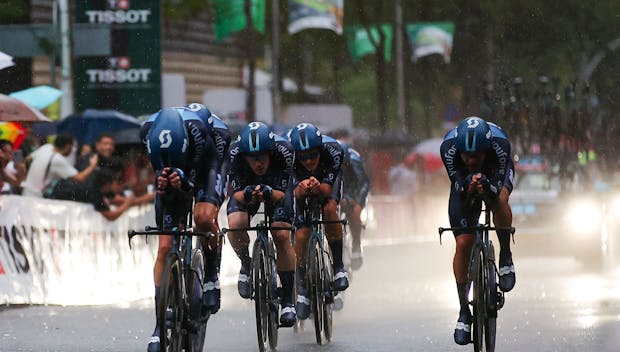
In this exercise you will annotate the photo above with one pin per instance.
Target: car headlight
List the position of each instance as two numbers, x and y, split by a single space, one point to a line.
583 216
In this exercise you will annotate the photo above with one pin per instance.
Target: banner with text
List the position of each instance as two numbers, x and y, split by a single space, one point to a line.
430 38
130 79
321 14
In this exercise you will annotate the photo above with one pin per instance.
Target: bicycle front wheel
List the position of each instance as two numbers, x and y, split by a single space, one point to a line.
169 311
479 299
195 280
315 273
266 325
328 292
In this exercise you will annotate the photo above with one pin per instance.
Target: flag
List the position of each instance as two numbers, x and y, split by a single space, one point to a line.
430 38
322 14
359 42
230 17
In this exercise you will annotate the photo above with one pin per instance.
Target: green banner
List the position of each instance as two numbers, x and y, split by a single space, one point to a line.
430 38
359 42
322 14
129 80
230 17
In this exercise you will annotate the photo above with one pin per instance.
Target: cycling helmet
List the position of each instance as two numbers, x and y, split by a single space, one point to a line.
205 115
305 136
255 137
167 141
473 134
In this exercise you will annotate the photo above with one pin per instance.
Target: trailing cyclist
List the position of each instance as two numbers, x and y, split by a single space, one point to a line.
180 148
356 186
317 173
261 171
477 157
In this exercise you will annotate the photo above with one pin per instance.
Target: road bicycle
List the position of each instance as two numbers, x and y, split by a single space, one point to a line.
319 270
180 317
264 278
487 299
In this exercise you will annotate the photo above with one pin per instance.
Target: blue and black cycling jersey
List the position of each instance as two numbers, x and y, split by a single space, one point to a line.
278 176
330 163
356 184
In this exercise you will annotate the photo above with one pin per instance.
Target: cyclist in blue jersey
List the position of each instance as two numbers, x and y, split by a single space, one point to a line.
261 170
210 194
477 157
179 147
317 172
356 185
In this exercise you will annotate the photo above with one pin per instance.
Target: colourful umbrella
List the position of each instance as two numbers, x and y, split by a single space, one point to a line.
14 132
38 97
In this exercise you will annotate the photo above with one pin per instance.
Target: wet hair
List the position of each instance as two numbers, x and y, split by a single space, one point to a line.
4 142
103 176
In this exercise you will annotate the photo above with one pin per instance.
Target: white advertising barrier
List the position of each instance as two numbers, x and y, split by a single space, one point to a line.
62 252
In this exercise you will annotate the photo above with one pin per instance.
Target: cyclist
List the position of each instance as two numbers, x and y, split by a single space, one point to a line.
317 172
209 198
178 145
261 170
356 186
476 155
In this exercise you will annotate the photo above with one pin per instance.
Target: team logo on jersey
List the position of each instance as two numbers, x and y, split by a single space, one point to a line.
165 139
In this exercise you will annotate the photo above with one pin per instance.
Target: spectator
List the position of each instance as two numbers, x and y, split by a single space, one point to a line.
104 185
49 165
104 148
12 172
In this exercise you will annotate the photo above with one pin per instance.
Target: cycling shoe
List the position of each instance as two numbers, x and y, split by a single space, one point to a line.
507 277
244 285
462 332
341 279
288 316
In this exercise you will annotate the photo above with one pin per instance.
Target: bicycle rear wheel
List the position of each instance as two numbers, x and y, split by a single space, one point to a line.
315 274
273 297
169 311
195 280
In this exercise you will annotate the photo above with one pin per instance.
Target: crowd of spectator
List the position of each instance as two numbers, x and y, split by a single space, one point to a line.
96 175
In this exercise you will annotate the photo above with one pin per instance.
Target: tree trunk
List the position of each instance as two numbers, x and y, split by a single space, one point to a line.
250 103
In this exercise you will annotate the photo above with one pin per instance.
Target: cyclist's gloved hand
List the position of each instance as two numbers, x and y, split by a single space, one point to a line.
267 191
186 184
247 193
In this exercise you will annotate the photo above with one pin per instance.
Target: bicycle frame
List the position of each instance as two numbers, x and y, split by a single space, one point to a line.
183 265
264 273
482 273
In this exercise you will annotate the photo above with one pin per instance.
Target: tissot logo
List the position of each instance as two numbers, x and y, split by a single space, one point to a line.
119 71
118 11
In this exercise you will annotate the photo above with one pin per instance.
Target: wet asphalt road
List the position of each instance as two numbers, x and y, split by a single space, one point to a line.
403 299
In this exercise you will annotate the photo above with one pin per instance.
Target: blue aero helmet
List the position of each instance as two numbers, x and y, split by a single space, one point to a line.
205 114
473 134
256 137
167 140
305 136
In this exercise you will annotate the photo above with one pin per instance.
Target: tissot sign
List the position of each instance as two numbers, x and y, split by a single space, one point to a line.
129 79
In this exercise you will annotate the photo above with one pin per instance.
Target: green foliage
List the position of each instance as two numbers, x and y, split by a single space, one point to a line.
13 11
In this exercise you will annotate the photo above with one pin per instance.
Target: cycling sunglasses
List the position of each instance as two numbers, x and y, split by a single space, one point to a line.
257 156
308 156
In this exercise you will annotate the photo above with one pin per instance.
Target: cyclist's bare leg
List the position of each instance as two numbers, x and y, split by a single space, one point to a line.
460 264
165 242
205 217
285 263
355 223
502 217
286 254
330 213
239 240
301 245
